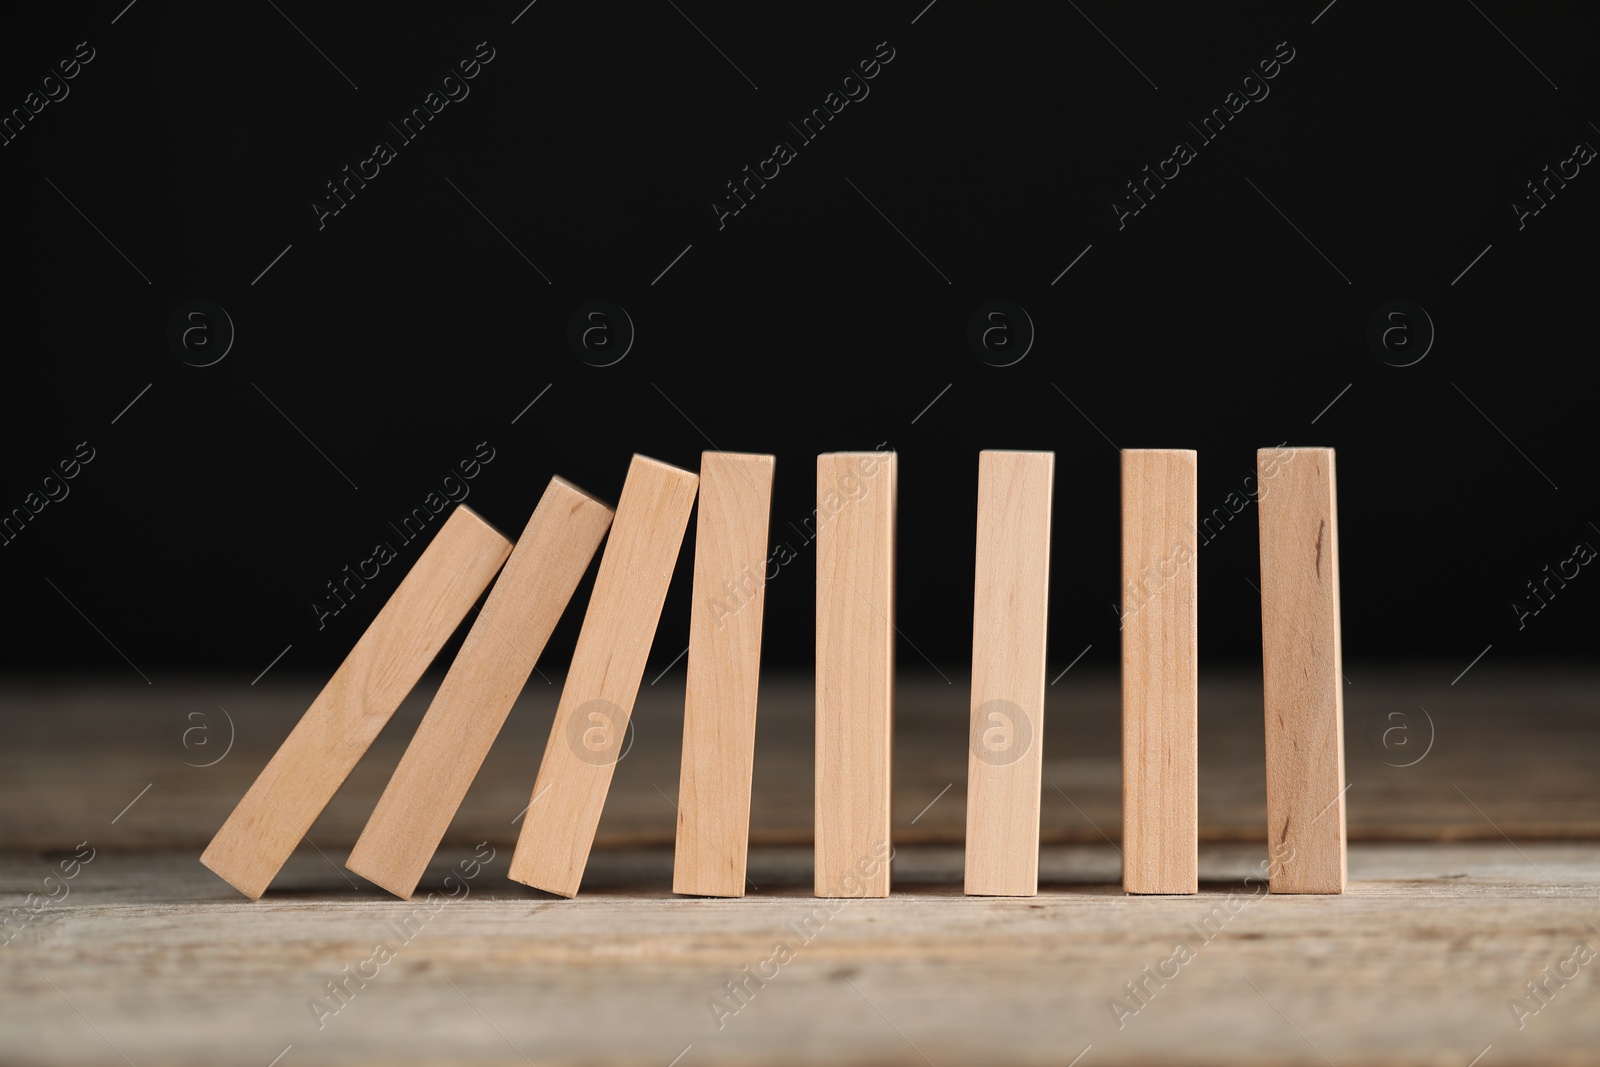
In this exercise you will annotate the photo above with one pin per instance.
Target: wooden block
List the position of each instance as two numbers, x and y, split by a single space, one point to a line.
855 671
1011 595
719 711
1160 817
476 695
607 665
363 693
1300 654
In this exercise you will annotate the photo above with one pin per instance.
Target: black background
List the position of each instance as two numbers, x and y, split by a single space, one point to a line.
380 349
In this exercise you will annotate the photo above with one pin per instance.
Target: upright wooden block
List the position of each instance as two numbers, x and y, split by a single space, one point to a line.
719 711
855 671
1300 654
607 665
477 693
1011 596
1160 822
322 749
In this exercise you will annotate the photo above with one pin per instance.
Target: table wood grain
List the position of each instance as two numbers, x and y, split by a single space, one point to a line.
1470 873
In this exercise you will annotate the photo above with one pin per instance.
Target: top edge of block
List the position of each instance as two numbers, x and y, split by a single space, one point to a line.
639 458
1294 449
558 481
1158 451
1016 452
869 452
462 509
765 459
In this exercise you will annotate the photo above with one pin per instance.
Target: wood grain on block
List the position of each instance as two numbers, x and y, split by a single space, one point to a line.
305 772
1010 611
1160 654
1300 654
477 693
855 672
592 717
719 711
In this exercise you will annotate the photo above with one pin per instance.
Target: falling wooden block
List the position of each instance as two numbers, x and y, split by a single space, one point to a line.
1160 824
1010 610
607 665
363 693
1303 675
855 671
477 693
719 711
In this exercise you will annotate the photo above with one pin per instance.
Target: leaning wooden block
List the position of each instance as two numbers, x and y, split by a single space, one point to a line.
1160 656
1010 611
476 695
363 693
719 712
855 672
1300 655
607 665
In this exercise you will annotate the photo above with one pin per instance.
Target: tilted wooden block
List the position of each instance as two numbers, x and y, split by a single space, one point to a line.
1011 597
607 665
1300 654
719 712
1160 681
477 693
363 693
855 672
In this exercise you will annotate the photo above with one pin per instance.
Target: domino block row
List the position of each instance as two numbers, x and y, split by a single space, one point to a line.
855 540
1303 700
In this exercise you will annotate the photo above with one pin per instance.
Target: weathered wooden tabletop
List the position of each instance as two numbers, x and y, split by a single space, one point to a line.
1474 816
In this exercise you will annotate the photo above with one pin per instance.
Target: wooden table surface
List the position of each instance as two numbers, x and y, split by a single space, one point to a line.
1474 816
